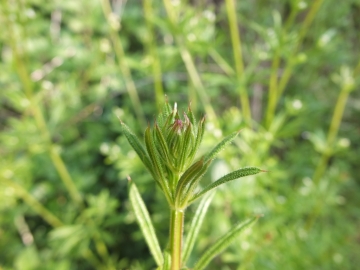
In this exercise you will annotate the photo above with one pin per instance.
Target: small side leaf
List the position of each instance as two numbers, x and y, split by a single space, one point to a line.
222 243
137 146
188 175
231 176
156 164
143 218
167 260
220 146
199 136
196 224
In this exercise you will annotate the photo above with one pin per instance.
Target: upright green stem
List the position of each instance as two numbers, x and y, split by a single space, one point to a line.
290 62
272 90
333 130
176 237
239 64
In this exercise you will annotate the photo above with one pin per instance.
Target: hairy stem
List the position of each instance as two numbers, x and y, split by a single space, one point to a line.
176 237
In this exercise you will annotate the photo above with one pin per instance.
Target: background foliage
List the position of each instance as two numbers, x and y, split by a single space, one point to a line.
69 67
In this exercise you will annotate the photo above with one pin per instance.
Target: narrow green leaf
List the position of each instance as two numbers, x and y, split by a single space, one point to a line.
220 146
136 145
155 160
165 112
187 192
163 147
143 218
222 243
167 260
191 116
231 176
188 175
187 144
195 225
199 137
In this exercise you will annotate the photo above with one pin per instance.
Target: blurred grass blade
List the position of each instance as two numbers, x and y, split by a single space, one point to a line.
231 176
222 243
221 145
143 218
196 224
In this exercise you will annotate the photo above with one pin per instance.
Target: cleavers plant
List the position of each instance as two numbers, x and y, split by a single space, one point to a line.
169 153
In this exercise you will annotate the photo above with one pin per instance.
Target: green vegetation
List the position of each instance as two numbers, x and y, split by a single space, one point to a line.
284 73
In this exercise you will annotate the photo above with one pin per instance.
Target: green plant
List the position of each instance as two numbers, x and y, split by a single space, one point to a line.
169 151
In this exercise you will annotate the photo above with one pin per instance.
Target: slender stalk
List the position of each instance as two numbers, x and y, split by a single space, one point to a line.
239 63
272 90
333 131
176 237
196 80
155 61
221 62
44 213
120 54
290 62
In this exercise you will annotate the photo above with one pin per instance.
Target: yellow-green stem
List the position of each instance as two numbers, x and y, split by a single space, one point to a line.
176 237
239 64
290 61
34 204
333 130
272 96
114 26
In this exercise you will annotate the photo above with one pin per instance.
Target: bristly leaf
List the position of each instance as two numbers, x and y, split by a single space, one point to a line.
163 147
199 137
196 224
143 218
222 243
231 176
191 116
187 144
188 175
166 111
220 146
157 166
187 192
137 146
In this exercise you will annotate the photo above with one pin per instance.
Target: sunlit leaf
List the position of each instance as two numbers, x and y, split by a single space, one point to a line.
144 221
195 225
222 243
231 176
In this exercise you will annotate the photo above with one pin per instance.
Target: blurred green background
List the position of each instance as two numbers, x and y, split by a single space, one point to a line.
286 72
